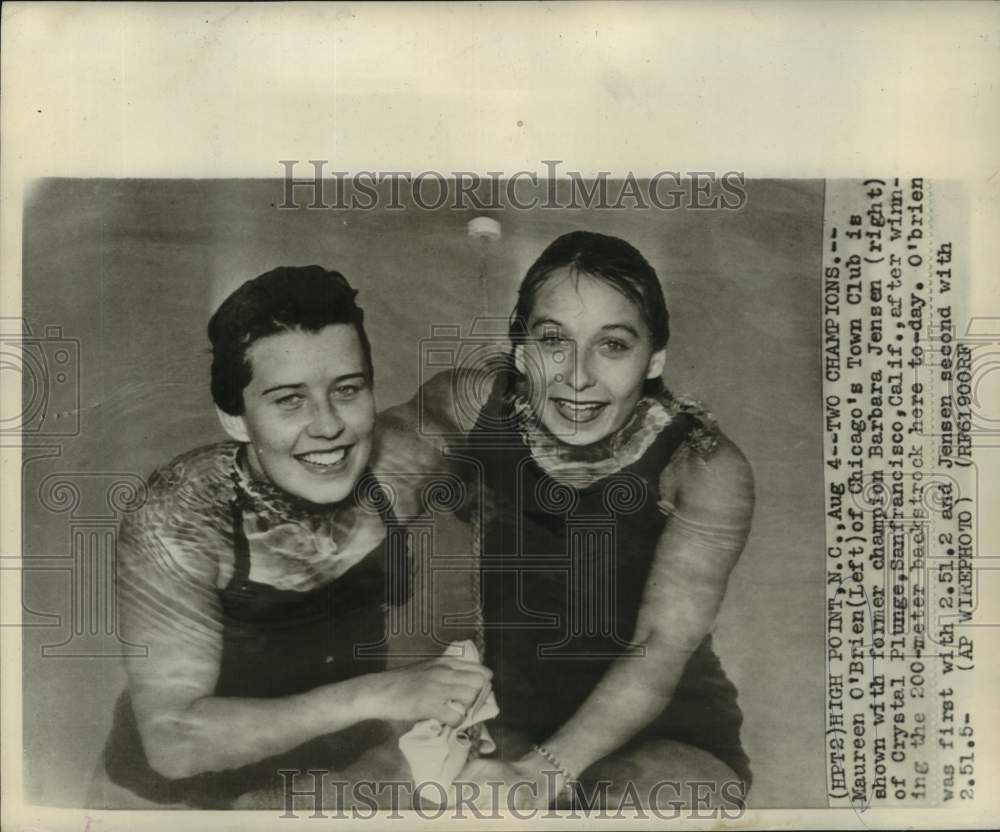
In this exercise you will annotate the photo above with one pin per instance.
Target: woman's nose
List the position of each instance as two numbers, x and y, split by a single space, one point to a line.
581 376
326 422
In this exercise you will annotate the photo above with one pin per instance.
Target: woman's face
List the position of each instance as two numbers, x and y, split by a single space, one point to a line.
309 412
594 351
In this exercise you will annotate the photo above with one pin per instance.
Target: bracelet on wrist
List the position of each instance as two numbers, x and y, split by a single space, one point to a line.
568 778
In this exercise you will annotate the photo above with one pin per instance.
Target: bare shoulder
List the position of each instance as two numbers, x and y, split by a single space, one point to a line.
177 533
726 461
711 480
183 486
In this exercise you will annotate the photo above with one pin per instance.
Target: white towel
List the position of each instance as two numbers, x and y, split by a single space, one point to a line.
435 751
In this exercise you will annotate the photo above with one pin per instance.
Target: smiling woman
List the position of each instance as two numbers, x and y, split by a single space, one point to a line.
308 412
598 352
257 568
615 513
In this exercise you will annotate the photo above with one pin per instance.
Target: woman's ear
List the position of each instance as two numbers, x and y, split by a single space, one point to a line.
519 358
657 361
235 426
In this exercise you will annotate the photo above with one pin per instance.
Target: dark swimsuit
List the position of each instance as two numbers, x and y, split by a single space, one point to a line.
563 574
276 643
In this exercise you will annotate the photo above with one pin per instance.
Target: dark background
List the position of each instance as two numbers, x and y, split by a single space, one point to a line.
131 270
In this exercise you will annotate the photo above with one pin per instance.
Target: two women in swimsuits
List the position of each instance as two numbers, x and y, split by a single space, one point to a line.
612 516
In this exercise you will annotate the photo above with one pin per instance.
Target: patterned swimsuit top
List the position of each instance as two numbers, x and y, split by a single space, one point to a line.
294 545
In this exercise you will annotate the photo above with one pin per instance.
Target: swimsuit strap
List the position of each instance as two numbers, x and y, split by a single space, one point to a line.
241 546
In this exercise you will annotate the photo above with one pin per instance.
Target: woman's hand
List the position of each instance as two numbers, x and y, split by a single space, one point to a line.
529 783
441 689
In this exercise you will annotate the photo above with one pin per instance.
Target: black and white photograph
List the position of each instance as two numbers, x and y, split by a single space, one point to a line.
387 460
539 370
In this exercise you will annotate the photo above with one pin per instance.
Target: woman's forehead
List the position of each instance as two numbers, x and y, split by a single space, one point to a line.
334 350
570 296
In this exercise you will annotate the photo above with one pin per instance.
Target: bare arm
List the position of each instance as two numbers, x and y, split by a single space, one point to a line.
444 408
169 603
708 520
423 439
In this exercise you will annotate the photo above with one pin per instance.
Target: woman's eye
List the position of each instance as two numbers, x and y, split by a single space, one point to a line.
290 401
615 346
346 391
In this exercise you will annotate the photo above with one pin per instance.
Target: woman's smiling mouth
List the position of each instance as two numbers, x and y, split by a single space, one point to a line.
578 412
325 461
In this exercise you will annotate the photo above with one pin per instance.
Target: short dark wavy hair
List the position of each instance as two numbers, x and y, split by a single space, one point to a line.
286 299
